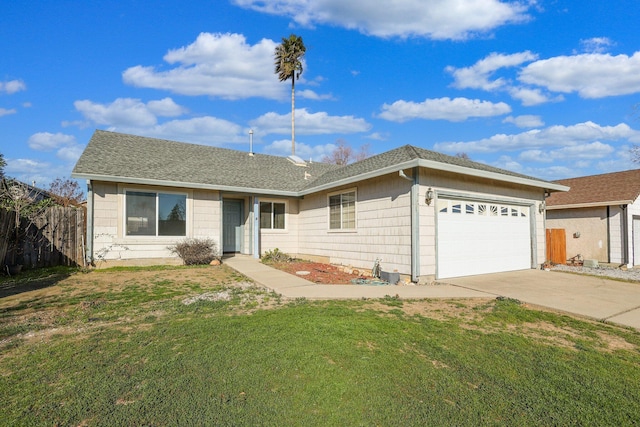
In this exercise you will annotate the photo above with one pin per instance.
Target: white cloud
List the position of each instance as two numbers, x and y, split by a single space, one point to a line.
535 156
477 76
377 136
122 111
575 153
166 108
221 65
200 130
134 116
5 112
46 141
309 94
12 86
454 110
30 170
525 121
553 136
283 148
308 123
591 75
70 154
596 44
450 19
529 97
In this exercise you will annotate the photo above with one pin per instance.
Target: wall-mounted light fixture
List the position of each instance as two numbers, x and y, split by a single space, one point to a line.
541 207
428 197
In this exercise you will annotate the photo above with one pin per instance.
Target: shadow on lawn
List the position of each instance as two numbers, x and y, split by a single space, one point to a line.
31 280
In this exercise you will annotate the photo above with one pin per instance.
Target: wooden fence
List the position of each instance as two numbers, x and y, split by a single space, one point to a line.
55 238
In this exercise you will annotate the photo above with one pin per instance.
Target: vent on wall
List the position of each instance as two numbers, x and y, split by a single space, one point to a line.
297 160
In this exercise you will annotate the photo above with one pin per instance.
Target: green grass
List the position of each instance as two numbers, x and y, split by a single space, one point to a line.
254 359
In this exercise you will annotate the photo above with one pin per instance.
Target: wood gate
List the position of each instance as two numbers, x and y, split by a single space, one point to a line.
556 245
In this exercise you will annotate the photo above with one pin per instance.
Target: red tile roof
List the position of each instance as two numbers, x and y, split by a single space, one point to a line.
598 190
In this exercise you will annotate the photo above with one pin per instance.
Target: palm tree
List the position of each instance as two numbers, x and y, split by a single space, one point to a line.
288 63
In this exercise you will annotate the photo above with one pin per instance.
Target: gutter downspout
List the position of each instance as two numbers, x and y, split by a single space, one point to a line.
256 227
625 234
415 222
89 249
608 234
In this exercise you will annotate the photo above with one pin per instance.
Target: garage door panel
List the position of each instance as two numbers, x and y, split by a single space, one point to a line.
478 241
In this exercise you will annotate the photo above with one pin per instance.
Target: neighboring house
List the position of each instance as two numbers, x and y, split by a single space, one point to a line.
424 214
23 190
600 215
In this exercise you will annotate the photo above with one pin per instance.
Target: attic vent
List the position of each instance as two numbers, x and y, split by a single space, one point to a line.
297 161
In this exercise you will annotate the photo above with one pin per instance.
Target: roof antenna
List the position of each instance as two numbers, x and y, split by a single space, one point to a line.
251 142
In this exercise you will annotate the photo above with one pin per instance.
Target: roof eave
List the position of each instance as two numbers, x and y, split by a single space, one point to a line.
492 175
590 205
360 177
431 164
180 184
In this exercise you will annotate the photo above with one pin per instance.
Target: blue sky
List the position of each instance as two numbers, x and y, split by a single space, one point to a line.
544 88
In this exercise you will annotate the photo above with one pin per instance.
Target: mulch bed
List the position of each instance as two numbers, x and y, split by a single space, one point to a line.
325 274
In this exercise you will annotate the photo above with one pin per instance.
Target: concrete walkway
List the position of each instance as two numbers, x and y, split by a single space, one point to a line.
593 297
292 286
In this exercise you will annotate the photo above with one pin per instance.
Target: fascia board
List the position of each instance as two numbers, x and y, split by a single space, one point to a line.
177 184
590 205
430 164
357 178
491 175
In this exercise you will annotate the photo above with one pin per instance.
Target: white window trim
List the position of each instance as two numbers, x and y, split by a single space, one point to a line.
342 230
156 238
286 217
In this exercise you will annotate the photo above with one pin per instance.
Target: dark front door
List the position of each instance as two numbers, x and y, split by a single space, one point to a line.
232 225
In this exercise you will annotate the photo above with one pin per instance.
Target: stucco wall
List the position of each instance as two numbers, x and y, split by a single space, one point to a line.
110 242
634 243
591 223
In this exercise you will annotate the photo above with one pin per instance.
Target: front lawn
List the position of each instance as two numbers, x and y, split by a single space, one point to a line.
202 346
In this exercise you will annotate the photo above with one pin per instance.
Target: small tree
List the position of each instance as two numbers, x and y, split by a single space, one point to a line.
66 192
28 206
343 154
3 163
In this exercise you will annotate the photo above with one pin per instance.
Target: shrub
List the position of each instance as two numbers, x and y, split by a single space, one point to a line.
275 255
195 251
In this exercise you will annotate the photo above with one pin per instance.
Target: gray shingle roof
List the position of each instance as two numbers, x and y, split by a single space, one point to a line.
401 155
129 158
135 158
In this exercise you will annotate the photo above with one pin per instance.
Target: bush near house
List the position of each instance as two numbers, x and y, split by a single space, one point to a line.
194 251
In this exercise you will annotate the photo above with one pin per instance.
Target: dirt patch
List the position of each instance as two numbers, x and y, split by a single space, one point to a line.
324 274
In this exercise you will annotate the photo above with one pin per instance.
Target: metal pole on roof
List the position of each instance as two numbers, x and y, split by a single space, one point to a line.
251 142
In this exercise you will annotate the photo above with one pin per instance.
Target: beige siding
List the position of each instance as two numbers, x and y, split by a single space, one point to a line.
590 223
383 226
206 214
110 242
285 240
105 220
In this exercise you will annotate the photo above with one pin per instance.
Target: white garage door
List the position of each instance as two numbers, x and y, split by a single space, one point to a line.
478 238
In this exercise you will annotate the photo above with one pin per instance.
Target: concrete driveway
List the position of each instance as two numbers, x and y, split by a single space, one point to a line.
594 297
